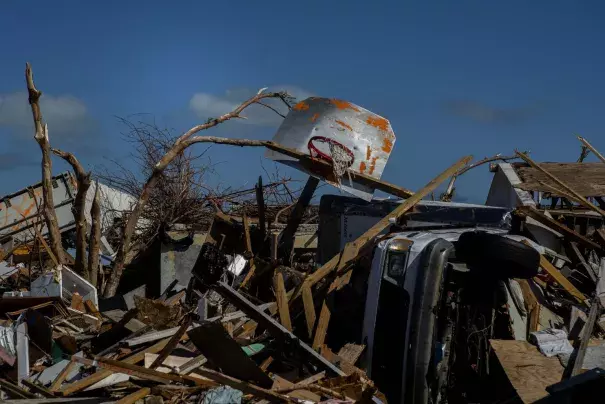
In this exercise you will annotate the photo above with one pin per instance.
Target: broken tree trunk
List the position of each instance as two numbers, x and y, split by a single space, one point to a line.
83 181
41 136
95 238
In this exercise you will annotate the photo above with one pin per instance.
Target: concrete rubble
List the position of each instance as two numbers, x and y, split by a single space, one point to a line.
358 299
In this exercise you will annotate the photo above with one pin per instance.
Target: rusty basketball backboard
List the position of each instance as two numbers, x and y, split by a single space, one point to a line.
315 123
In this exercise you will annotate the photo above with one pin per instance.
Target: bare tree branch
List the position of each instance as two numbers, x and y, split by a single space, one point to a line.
41 136
83 181
184 141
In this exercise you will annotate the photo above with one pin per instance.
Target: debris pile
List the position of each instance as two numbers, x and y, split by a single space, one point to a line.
357 300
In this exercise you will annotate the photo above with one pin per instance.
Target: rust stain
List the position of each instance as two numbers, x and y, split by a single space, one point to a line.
368 152
29 209
387 145
378 122
341 123
344 105
301 106
362 167
373 165
314 117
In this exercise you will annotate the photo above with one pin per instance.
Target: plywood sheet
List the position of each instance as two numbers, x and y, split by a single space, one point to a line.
588 179
528 370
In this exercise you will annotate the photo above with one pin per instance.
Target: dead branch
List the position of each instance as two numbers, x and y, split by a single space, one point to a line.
95 238
449 193
83 182
41 136
184 141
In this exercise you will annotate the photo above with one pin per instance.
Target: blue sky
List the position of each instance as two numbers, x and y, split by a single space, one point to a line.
453 77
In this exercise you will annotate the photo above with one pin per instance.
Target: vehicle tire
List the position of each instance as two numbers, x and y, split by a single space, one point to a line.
497 256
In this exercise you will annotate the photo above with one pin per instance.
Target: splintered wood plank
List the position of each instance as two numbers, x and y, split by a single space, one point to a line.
561 184
322 326
351 352
532 305
309 307
342 260
551 270
527 369
282 300
134 397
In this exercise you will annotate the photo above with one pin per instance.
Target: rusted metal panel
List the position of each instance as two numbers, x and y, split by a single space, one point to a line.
18 211
368 138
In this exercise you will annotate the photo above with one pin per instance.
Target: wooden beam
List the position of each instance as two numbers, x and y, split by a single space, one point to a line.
303 383
322 326
532 306
14 391
282 300
102 374
172 343
139 371
592 148
134 397
351 249
309 307
248 239
36 388
554 273
564 187
56 384
558 227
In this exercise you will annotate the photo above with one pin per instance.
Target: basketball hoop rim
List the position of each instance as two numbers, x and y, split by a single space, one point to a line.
313 149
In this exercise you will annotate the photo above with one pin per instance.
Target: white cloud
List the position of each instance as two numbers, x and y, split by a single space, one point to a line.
66 116
207 105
